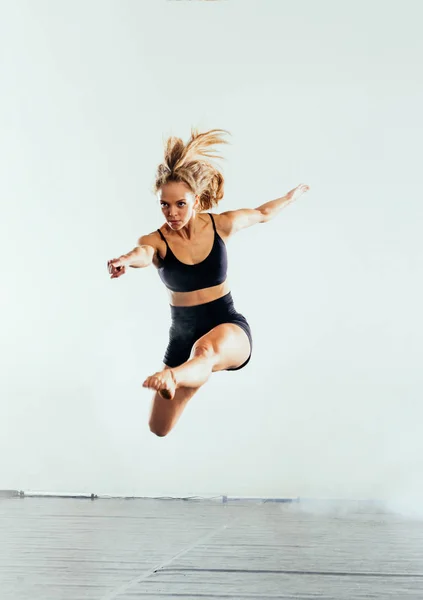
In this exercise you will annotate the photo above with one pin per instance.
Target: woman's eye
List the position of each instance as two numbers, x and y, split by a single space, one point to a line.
181 203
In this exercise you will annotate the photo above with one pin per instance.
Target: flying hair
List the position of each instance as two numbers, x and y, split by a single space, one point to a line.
188 163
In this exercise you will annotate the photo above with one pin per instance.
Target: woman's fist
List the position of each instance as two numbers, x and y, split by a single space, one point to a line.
116 267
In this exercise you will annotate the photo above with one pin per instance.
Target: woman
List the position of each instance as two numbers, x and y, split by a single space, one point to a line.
207 334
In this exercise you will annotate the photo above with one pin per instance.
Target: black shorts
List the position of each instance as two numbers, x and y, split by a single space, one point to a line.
189 323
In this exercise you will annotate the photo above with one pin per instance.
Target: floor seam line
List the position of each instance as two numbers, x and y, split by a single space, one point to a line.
124 587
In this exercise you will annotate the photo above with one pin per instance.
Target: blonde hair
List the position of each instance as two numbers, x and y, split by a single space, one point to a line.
185 163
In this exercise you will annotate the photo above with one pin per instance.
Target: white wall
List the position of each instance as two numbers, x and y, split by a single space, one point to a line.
325 93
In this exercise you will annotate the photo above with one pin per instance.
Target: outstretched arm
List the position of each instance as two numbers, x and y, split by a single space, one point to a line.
272 208
141 256
234 220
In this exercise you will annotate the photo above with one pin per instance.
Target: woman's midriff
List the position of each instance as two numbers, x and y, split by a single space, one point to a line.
199 296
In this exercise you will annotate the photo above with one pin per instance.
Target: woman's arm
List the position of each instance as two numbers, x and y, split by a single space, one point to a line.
141 256
234 220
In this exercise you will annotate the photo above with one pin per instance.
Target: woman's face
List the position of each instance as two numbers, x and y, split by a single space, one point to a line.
178 204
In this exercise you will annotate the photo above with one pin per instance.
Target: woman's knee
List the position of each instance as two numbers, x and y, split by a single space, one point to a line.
159 429
203 349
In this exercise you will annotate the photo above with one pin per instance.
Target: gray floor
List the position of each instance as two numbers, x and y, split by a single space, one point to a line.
65 549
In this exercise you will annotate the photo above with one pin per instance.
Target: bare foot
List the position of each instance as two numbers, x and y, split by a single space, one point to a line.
163 382
298 191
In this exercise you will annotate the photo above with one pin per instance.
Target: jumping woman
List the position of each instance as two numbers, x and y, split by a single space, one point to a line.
207 334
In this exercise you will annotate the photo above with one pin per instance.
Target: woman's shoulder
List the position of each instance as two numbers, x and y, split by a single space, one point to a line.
155 241
151 239
223 223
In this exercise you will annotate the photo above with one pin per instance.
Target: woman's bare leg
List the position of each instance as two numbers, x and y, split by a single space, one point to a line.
165 414
224 347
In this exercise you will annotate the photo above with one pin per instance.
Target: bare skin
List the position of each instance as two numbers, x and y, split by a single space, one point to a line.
190 235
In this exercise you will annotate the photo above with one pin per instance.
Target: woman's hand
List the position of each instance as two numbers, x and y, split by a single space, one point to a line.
297 192
117 267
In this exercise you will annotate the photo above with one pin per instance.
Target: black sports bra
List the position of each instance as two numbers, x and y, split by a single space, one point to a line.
180 277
